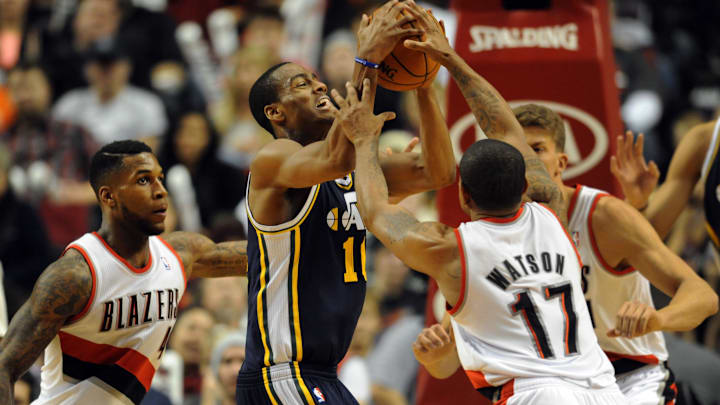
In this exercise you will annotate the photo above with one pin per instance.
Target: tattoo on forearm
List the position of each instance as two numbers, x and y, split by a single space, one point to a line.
484 103
399 224
227 256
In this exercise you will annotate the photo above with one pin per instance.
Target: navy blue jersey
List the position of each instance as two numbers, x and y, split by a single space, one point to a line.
711 173
306 281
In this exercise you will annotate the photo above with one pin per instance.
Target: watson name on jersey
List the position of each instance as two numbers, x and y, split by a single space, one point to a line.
521 311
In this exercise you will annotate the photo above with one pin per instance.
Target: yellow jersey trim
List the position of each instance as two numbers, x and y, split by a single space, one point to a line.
296 307
265 372
261 309
292 224
303 387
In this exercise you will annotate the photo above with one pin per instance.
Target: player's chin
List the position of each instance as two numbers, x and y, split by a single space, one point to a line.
155 228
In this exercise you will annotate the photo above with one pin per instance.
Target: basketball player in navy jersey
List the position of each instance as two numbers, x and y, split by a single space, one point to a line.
306 239
128 182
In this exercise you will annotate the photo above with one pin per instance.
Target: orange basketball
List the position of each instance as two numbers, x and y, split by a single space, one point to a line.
406 69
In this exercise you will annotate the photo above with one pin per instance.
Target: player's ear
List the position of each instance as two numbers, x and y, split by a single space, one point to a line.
107 197
562 161
464 197
526 186
274 113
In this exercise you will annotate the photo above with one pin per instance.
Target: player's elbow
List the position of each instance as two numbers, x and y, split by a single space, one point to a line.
446 177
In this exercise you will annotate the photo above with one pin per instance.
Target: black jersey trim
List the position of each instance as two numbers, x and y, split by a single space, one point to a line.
113 375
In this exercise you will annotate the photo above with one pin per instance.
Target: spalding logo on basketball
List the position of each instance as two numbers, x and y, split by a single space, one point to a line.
405 69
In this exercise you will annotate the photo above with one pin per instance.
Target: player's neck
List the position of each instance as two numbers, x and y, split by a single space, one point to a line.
480 214
130 244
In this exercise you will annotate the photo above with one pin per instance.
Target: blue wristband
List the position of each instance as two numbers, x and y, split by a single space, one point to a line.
367 63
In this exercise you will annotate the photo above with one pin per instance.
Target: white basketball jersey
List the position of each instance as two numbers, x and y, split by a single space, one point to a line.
521 311
108 354
606 288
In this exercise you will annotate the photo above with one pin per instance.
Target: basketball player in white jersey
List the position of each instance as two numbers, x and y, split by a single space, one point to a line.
103 312
512 273
613 241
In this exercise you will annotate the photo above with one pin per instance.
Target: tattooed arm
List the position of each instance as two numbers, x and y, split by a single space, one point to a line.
491 111
62 291
204 258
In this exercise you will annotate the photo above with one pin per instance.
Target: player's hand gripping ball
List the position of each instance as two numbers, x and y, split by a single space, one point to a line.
406 69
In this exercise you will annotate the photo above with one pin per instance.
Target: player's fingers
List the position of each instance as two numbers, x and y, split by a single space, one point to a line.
628 142
414 45
365 21
653 168
442 25
642 321
394 8
387 116
633 318
614 169
405 20
351 95
613 333
621 320
441 333
411 145
620 149
407 32
639 143
339 100
366 91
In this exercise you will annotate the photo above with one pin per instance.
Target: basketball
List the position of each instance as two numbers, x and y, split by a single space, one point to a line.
405 69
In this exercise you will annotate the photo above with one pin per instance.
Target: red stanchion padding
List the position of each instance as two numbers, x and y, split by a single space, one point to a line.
560 57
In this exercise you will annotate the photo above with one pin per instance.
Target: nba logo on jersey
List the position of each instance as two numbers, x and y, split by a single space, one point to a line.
319 395
164 262
576 238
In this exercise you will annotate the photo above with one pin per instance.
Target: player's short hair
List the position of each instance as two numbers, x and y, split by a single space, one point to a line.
110 158
535 115
493 173
263 92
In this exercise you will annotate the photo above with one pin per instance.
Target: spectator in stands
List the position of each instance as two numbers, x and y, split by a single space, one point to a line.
227 357
353 371
191 339
24 247
216 186
51 156
264 28
402 301
338 58
112 109
226 299
242 136
149 35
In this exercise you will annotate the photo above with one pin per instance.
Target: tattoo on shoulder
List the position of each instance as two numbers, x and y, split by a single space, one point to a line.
542 188
64 288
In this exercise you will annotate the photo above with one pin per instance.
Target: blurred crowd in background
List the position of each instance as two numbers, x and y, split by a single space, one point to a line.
76 74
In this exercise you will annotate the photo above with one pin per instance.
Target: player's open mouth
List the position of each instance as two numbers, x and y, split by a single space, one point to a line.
323 103
160 212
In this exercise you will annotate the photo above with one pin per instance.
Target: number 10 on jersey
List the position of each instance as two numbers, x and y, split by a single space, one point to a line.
351 275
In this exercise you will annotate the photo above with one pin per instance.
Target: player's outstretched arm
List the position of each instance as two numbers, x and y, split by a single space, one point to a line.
685 170
62 291
492 113
435 349
623 235
429 247
434 168
204 258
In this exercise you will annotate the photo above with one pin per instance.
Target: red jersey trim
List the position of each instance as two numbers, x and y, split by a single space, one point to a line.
507 391
505 220
177 256
573 201
125 262
87 306
463 279
477 379
647 358
129 359
566 233
593 242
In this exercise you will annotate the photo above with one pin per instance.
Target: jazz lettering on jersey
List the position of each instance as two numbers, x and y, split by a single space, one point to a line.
503 274
140 309
345 219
